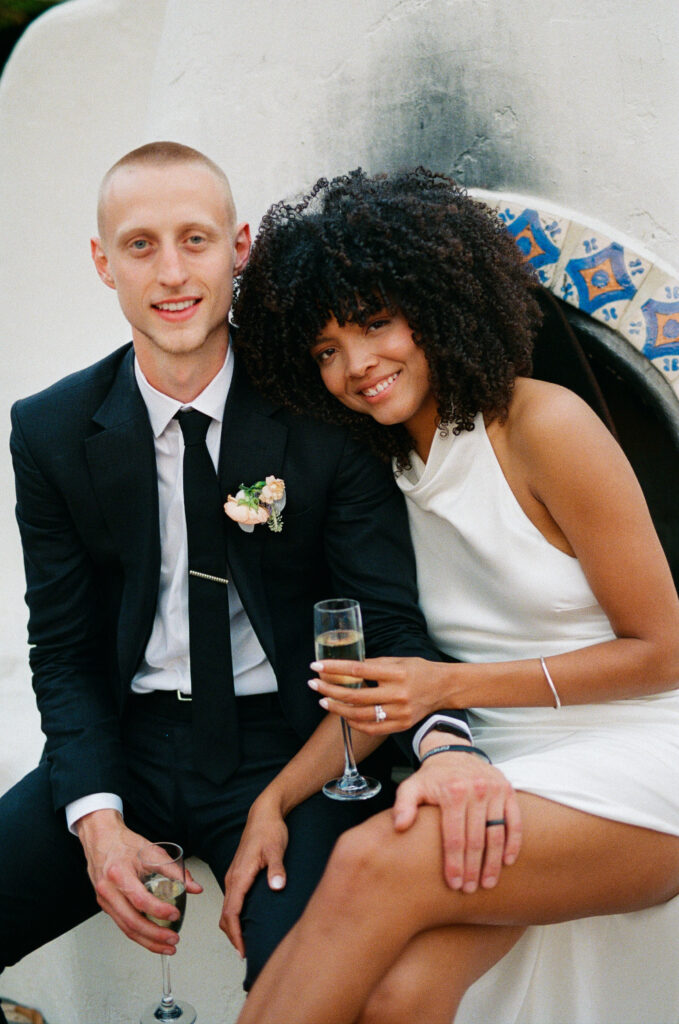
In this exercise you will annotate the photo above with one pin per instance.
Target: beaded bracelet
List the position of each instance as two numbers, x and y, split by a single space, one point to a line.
461 747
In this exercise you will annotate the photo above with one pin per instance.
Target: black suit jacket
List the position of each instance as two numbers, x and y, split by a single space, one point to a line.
87 508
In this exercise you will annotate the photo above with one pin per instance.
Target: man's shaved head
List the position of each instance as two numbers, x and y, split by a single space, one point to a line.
162 154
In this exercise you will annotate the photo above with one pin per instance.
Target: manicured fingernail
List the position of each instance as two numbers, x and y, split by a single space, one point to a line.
277 882
316 666
456 883
313 683
469 887
489 882
324 703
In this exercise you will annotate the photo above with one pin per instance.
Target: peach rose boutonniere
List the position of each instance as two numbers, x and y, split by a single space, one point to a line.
262 502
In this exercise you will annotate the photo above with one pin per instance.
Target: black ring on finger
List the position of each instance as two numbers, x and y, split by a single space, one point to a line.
495 821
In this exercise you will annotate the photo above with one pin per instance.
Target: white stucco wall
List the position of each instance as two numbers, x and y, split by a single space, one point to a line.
564 99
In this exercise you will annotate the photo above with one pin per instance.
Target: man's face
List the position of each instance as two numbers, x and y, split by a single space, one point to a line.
170 248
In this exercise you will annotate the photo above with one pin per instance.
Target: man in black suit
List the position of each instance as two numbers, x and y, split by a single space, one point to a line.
101 485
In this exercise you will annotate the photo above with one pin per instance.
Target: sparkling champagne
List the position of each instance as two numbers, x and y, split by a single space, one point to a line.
347 644
169 890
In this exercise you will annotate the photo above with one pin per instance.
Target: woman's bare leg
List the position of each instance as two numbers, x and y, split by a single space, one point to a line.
429 979
382 888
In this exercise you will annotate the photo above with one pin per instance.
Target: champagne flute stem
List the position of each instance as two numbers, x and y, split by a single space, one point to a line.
350 769
167 1002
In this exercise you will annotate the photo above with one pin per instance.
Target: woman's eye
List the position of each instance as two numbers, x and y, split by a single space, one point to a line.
323 356
374 325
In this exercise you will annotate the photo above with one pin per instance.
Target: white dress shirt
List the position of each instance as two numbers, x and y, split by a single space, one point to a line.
166 664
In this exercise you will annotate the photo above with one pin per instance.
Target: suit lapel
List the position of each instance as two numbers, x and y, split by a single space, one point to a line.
122 464
252 448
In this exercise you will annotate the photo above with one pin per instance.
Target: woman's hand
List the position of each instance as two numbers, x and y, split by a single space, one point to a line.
262 847
470 793
408 690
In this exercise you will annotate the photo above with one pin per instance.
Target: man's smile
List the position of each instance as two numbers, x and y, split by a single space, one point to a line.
176 310
174 307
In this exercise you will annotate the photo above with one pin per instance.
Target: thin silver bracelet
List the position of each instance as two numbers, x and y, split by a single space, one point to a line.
550 683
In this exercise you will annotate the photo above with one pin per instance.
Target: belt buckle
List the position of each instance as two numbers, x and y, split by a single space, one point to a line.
183 696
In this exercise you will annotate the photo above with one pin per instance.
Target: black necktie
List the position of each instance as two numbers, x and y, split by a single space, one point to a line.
215 723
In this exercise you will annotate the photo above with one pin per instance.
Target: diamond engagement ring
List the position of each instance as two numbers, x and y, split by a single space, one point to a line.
380 713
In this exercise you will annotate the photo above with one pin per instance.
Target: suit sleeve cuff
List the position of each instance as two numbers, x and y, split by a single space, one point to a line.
432 721
86 804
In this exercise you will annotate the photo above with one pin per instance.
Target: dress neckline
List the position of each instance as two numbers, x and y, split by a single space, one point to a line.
422 473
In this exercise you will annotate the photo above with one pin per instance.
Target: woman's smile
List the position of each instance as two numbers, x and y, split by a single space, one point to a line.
378 390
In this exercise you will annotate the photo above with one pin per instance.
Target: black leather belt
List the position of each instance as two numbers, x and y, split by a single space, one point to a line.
177 706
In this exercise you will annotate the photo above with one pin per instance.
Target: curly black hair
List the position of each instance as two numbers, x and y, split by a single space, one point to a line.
412 242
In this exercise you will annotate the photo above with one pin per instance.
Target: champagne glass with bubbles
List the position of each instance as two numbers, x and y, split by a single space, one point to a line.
161 869
338 632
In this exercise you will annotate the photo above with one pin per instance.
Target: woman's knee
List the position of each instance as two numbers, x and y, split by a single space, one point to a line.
365 855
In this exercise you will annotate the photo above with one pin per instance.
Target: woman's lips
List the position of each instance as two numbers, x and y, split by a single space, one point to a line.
375 390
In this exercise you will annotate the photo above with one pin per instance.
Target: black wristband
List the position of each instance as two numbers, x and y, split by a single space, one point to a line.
454 730
456 747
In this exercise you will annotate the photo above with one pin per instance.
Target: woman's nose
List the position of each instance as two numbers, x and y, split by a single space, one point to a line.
359 360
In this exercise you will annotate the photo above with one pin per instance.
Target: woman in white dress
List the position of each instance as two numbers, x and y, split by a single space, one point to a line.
540 570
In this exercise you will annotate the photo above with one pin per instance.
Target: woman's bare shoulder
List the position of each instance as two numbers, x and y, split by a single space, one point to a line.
540 411
557 437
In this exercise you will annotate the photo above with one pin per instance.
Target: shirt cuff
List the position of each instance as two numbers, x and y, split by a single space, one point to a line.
86 804
429 724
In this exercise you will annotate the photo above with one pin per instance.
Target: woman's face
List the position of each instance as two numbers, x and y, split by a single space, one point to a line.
376 368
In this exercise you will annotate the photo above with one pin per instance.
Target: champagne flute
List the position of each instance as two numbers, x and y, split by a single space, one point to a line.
161 869
338 633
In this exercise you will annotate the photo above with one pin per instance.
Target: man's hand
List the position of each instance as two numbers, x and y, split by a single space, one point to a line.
111 851
262 846
408 690
469 793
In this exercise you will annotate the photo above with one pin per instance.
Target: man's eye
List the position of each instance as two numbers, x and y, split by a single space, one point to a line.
196 240
139 244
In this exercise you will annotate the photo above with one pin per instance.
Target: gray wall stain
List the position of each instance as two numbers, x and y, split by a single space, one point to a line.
437 107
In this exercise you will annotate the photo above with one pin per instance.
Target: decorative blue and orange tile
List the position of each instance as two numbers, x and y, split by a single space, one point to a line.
599 276
539 233
651 323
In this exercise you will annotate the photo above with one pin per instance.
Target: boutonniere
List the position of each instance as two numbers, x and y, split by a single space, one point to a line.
262 502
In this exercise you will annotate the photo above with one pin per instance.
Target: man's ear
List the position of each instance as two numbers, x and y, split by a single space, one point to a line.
242 247
101 262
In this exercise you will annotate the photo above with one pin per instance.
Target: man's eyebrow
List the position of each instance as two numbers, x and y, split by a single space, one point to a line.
205 227
124 233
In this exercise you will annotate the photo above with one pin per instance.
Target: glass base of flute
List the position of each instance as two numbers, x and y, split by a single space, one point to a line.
352 785
161 869
338 633
179 1011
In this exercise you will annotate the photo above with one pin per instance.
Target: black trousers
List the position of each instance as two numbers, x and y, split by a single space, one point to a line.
44 887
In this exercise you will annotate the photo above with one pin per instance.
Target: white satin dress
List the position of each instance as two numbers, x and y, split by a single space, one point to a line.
493 588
